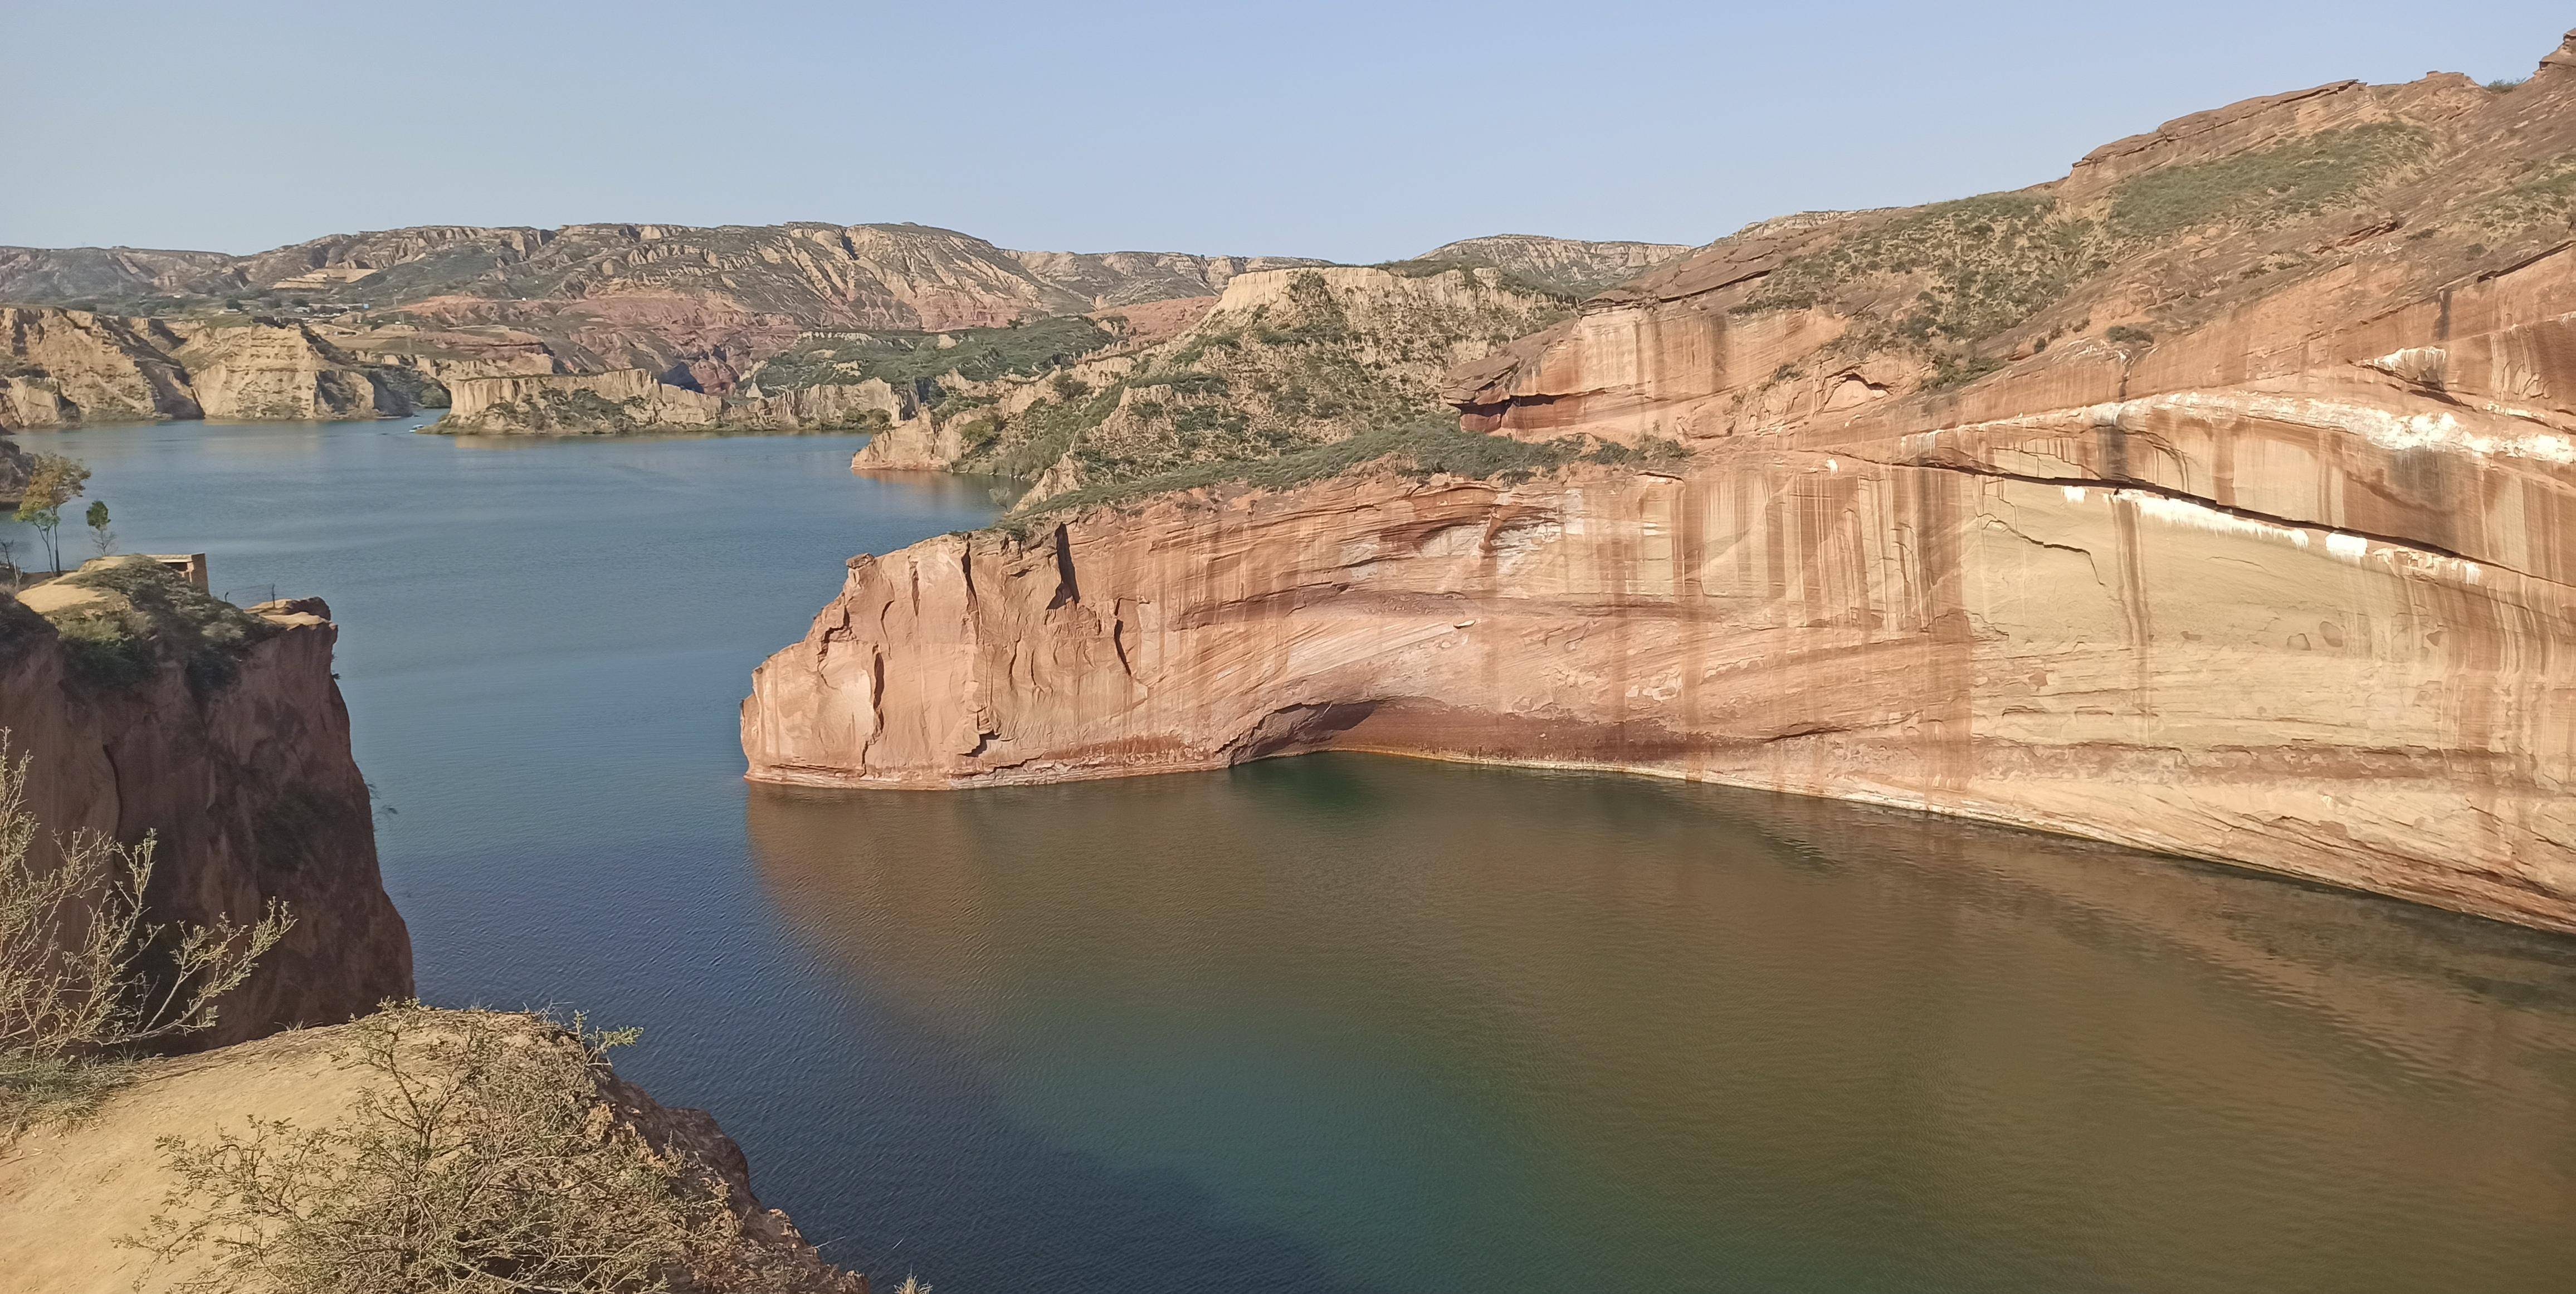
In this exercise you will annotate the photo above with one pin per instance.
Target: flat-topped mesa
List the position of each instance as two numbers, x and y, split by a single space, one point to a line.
2255 541
143 706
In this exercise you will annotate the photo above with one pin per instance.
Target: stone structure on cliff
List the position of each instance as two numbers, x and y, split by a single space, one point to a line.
154 709
2219 499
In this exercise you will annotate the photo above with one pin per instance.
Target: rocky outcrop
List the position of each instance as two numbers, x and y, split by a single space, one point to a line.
259 371
631 402
223 735
61 368
15 467
433 357
76 1191
2220 500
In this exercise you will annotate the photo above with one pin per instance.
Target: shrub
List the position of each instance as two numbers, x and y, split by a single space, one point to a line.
2296 177
161 612
2124 335
84 980
482 1156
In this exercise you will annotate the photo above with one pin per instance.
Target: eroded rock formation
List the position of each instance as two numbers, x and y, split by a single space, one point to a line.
61 368
630 401
235 756
2218 499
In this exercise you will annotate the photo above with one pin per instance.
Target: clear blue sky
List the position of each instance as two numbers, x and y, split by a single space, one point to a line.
1355 131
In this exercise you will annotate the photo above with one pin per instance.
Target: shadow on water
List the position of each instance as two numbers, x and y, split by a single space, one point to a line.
1446 1027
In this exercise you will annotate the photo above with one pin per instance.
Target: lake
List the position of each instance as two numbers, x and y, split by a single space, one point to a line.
1347 1023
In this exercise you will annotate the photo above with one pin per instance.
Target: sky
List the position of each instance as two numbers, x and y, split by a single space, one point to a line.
1354 131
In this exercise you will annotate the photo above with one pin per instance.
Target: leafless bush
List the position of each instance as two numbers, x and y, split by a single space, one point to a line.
482 1159
84 979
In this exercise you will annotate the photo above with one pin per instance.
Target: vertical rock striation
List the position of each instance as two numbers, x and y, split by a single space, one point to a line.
248 786
2218 499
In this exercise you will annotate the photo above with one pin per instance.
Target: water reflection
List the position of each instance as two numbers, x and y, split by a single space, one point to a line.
1447 1028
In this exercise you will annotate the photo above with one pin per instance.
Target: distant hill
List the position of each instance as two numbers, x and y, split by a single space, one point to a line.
1568 265
701 306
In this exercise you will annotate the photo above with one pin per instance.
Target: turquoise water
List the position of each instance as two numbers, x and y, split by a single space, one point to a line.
1344 1023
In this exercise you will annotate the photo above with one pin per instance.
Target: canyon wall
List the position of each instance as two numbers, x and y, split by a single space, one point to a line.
62 368
2246 533
238 763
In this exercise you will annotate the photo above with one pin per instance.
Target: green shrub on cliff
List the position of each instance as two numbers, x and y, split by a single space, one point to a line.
1420 449
154 614
1967 269
2293 178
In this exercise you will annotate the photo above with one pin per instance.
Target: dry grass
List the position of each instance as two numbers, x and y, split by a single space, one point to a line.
480 1158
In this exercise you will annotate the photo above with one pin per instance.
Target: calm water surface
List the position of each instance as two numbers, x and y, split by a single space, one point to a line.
1340 1023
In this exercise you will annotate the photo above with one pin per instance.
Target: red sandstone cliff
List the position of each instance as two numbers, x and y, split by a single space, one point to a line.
248 784
2219 498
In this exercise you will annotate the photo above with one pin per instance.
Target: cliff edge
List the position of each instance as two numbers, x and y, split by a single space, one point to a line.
145 706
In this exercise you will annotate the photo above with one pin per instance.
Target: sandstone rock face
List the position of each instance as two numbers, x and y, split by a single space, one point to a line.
61 368
15 467
249 788
2241 523
261 371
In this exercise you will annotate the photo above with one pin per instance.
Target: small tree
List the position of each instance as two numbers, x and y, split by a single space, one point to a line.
99 535
9 558
54 480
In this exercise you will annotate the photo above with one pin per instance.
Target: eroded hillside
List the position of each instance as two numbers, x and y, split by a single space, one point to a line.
2218 499
1283 361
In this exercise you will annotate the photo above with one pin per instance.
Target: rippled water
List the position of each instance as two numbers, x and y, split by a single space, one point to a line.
1346 1023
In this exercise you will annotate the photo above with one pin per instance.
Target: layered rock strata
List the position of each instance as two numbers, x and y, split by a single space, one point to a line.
239 766
2252 537
632 401
62 368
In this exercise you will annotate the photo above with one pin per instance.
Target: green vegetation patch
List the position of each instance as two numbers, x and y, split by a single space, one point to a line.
121 647
1419 449
2546 196
1567 291
2295 178
909 358
1043 432
1984 264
